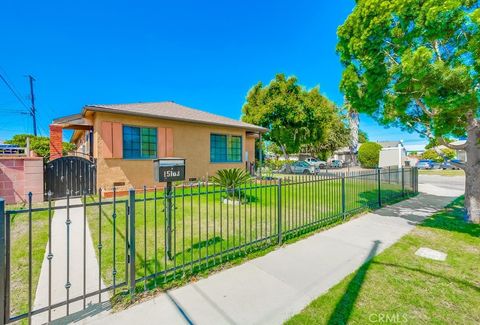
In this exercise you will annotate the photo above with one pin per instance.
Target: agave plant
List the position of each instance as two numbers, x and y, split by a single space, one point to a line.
231 179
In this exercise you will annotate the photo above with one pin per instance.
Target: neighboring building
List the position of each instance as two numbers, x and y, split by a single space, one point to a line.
344 154
393 154
125 138
461 154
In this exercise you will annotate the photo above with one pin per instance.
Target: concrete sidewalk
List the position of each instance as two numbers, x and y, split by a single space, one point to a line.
272 288
59 268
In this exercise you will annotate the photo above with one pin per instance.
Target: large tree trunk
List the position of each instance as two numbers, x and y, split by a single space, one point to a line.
286 167
472 173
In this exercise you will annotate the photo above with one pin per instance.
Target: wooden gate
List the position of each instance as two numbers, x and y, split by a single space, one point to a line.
73 174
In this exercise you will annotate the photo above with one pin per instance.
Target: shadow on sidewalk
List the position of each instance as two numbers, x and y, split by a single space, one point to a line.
90 311
416 209
344 307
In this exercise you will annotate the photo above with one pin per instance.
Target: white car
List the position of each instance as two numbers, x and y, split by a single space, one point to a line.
302 167
316 162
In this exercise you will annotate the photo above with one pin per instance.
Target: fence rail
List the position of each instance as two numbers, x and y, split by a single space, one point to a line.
150 238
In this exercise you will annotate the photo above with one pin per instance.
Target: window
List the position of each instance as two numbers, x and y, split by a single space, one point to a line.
139 143
225 148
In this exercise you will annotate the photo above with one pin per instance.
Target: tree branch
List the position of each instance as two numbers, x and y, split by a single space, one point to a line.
442 141
437 50
424 108
426 133
392 59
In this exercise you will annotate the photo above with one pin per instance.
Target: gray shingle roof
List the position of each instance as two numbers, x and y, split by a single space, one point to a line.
390 144
172 111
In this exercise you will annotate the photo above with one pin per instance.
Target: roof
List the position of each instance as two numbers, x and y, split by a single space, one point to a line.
172 111
458 142
390 144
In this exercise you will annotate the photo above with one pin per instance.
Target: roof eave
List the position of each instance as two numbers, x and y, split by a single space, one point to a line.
115 111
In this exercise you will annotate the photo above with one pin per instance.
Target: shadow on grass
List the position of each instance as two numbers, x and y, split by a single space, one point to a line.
370 198
199 245
344 307
448 279
453 219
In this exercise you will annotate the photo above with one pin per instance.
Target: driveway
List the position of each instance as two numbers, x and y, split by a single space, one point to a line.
456 183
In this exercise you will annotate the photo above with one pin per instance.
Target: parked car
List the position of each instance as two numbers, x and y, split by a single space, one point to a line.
448 165
316 162
436 165
302 167
336 163
424 164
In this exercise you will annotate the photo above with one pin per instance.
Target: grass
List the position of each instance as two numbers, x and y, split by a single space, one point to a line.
441 172
399 287
192 238
204 225
19 258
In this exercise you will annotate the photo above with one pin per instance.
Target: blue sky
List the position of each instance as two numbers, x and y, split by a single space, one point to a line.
202 54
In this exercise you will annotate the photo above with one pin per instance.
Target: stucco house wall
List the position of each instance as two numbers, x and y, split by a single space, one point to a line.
189 140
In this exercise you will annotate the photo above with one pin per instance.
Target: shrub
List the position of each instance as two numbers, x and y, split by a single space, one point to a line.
231 179
369 154
276 164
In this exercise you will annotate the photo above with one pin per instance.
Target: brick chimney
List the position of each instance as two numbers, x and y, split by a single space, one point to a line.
56 139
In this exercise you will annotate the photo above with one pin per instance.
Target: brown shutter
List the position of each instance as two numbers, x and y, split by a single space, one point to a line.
106 132
161 143
169 142
117 135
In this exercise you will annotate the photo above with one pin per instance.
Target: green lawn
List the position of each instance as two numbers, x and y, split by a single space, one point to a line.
399 287
441 172
19 254
204 225
192 239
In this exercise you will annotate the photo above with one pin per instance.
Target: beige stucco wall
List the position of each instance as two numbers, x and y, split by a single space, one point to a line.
190 141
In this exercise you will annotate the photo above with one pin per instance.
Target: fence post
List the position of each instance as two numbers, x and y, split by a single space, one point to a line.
131 257
344 199
2 262
416 180
379 187
403 181
279 209
168 215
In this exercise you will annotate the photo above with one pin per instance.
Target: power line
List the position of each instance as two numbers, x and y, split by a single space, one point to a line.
13 91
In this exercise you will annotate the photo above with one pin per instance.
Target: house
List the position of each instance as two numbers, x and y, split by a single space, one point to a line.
393 154
344 154
460 154
123 139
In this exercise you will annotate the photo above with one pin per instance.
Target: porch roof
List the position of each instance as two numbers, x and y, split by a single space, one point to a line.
74 122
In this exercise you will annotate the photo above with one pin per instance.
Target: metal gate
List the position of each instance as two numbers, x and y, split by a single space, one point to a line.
75 174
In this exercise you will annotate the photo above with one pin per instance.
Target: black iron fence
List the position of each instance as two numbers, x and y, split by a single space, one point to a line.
151 237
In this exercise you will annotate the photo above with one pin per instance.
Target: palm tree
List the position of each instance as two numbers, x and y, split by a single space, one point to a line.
353 122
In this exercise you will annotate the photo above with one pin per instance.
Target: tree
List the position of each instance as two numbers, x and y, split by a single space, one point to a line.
362 136
369 154
353 124
432 143
416 65
39 145
432 154
338 136
294 116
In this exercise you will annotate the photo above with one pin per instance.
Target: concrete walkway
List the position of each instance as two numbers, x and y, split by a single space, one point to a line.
272 288
59 268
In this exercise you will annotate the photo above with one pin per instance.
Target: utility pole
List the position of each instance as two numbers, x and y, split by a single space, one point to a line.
32 109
